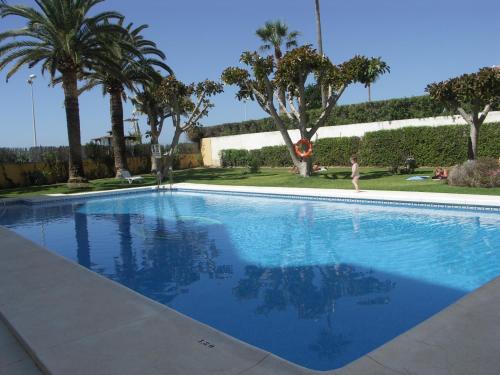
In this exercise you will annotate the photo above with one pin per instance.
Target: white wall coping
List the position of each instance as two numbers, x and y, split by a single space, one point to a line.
253 141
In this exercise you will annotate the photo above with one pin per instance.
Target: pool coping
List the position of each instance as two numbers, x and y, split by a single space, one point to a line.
379 197
462 339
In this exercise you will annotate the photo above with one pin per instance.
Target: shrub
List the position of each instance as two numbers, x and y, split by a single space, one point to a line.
56 166
254 162
476 173
234 158
35 178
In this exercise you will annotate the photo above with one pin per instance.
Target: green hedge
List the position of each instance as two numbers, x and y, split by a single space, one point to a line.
443 145
430 146
335 151
384 110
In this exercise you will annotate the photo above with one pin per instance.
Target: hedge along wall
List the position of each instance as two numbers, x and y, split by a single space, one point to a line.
383 110
444 146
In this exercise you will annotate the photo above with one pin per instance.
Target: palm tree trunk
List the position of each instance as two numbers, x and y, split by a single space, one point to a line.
70 86
369 92
324 94
119 149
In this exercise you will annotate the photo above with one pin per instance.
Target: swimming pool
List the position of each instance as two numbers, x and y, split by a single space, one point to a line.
317 283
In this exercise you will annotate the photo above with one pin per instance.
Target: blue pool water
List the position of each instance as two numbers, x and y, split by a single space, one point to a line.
317 283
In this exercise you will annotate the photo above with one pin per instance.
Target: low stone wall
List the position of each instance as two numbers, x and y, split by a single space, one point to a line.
211 147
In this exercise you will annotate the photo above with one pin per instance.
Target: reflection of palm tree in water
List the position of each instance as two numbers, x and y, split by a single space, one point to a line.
312 291
174 253
126 265
82 239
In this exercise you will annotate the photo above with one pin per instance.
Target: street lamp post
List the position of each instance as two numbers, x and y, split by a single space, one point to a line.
31 80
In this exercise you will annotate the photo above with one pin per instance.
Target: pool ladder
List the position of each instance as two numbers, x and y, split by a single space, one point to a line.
170 179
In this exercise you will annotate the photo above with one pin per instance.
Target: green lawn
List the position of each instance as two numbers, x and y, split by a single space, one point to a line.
334 178
95 185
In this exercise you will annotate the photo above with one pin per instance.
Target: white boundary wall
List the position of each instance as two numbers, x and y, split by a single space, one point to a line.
253 141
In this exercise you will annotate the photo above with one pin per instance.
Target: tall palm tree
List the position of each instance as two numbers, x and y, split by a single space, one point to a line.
137 58
277 38
319 35
376 68
63 37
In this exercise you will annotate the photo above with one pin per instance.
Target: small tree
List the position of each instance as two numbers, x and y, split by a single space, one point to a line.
264 78
188 104
473 96
147 102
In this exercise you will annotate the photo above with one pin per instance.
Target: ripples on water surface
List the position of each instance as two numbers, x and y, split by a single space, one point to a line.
317 283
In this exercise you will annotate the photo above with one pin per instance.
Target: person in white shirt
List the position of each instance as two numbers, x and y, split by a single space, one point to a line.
355 172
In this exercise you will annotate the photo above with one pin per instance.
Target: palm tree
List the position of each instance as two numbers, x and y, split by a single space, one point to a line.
66 40
376 68
135 67
275 36
319 35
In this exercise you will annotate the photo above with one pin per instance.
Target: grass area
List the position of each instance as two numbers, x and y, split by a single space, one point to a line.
334 178
95 185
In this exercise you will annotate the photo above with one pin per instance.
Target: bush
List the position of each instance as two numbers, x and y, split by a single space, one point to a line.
35 178
56 166
476 173
254 162
234 158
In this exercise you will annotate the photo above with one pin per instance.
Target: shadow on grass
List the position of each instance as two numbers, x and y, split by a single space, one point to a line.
376 175
218 174
96 185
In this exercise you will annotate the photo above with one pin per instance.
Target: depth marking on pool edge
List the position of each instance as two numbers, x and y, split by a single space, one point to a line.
206 343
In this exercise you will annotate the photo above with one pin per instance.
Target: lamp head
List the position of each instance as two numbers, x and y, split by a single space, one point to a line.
31 78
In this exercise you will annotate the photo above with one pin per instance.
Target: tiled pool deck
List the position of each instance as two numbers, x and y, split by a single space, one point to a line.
14 360
73 321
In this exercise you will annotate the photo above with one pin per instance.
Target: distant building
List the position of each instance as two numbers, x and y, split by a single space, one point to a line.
107 140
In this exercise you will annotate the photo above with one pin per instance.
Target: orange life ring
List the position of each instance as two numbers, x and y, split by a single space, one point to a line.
298 148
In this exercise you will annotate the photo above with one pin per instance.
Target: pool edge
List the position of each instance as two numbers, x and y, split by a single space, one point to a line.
489 203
